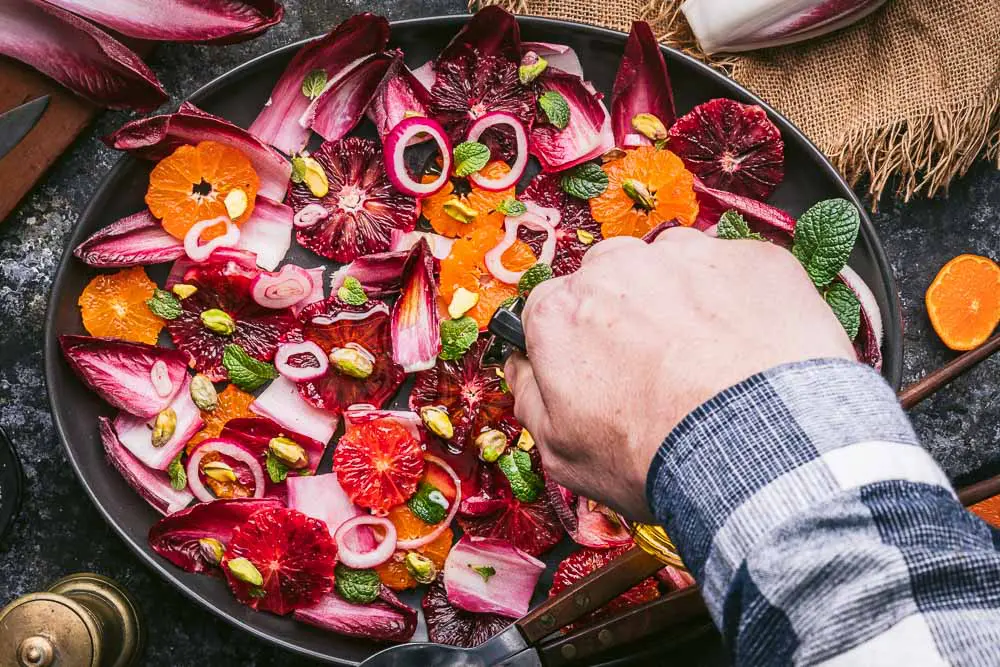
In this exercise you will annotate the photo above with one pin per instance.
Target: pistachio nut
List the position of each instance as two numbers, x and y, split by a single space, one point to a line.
612 155
639 193
410 113
312 174
164 426
525 441
183 290
203 393
492 443
220 471
245 571
236 203
531 67
421 567
459 210
584 236
212 549
437 420
462 302
218 321
288 452
353 360
649 126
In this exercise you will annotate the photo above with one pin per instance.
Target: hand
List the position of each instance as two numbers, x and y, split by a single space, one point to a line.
623 349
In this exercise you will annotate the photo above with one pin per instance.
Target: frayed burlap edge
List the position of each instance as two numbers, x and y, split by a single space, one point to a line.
921 155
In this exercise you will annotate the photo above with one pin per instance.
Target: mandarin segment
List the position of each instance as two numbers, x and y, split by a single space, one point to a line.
409 526
234 403
113 305
483 202
963 302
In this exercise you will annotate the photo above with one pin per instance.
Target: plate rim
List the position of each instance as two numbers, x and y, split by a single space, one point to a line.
50 348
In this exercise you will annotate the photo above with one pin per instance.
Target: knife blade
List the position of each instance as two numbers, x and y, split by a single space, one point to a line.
17 122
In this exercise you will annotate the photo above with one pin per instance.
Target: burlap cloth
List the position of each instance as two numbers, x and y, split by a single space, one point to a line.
911 92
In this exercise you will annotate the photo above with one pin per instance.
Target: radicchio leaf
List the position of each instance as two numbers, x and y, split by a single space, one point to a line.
416 331
241 261
490 576
401 92
357 37
642 85
763 218
386 619
340 106
588 134
380 274
120 371
211 21
156 137
153 485
268 233
490 32
134 240
77 54
588 523
322 497
256 433
176 537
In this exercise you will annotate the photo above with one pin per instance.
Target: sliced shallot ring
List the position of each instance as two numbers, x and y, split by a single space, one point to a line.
520 164
198 251
233 451
283 289
537 218
368 559
301 373
310 215
418 542
395 162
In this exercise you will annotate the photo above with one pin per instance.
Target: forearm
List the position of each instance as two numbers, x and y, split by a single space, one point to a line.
818 527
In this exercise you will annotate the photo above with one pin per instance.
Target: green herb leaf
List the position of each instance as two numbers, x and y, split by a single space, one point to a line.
164 304
525 484
276 470
531 278
178 475
845 305
508 302
244 371
457 336
556 108
356 586
298 169
314 83
484 571
512 207
732 226
428 503
255 592
585 181
352 293
470 157
824 238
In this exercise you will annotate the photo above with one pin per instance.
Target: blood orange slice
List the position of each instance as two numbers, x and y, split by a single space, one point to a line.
447 624
378 463
577 231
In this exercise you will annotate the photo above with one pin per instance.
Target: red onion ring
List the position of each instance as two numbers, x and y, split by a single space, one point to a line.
864 293
395 164
299 373
160 377
520 137
226 448
538 218
283 289
418 542
199 251
368 559
309 216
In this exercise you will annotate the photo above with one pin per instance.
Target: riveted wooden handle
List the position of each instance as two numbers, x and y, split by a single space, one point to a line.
917 392
588 594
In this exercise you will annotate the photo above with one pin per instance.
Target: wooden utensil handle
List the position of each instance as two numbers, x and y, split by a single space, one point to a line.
657 617
588 594
915 393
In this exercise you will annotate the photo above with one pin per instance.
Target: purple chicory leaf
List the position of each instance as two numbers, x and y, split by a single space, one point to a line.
77 54
490 32
268 233
386 619
357 37
177 537
136 433
425 74
486 575
380 274
560 56
156 137
206 21
255 433
134 240
282 404
340 107
401 92
764 218
153 485
120 371
588 523
416 331
588 134
322 497
642 85
404 241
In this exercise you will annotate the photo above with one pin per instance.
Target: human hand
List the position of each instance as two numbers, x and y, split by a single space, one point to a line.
623 349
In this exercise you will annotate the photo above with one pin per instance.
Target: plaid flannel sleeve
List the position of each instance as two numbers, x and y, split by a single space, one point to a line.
821 532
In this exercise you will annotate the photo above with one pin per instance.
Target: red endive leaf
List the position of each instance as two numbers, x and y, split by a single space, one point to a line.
642 84
132 241
77 54
338 109
215 21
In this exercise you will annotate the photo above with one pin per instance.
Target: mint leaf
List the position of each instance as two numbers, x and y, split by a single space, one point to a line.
531 278
585 181
298 169
512 207
824 238
845 305
164 304
470 157
356 586
525 484
352 293
244 371
484 571
314 83
428 503
457 336
178 475
732 226
276 470
556 108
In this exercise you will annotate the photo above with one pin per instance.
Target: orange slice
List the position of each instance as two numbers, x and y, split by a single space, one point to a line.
988 510
409 526
482 201
234 403
114 305
963 302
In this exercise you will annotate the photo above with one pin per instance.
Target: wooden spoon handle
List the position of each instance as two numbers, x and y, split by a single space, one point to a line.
590 593
915 393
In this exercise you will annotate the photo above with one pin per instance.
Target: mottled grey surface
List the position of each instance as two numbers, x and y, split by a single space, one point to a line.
59 531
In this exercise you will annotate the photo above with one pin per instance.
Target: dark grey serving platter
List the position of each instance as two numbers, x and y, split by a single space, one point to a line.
237 96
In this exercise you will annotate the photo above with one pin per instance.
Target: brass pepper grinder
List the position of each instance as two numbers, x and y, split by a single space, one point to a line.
83 620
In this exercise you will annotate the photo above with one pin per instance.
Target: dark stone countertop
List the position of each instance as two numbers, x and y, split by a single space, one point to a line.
59 531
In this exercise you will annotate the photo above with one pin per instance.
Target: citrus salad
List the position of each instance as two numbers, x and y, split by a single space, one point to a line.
253 392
